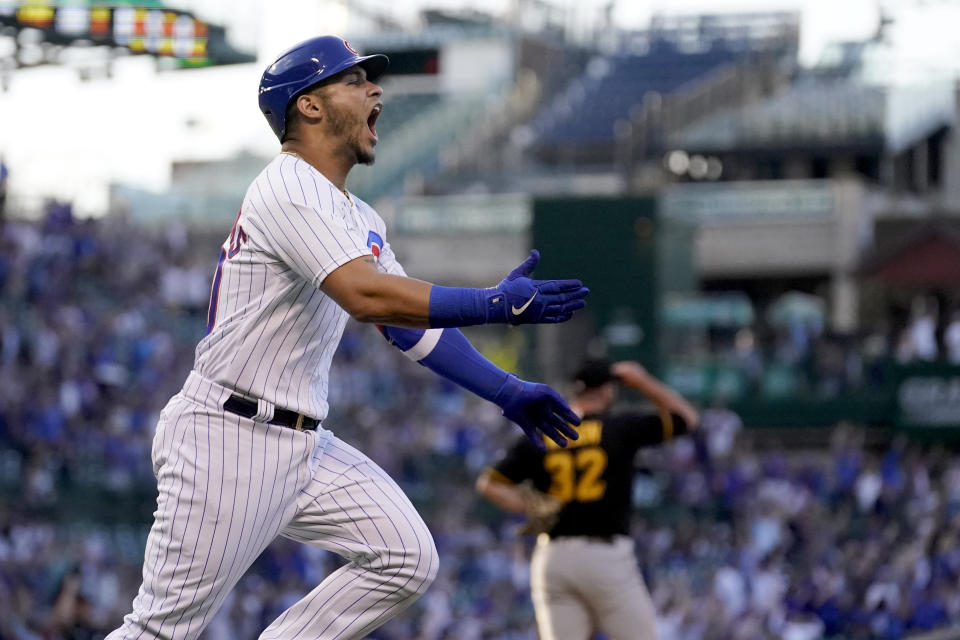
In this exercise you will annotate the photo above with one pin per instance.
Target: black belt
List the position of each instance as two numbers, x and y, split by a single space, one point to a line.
281 417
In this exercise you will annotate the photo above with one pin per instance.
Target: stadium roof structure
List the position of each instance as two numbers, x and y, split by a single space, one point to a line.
831 115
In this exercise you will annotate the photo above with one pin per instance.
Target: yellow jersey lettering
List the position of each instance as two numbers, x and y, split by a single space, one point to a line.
576 475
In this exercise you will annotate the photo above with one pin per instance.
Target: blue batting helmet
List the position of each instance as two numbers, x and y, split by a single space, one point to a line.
304 65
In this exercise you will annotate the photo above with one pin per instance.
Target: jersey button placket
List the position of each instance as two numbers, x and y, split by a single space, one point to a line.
353 213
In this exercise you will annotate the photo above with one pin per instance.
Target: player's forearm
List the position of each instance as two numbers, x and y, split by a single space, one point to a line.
507 497
369 295
397 301
636 377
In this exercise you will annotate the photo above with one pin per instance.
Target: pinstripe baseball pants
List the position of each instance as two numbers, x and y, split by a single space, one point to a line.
228 486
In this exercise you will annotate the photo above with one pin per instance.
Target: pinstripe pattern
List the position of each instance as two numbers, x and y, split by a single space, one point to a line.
275 332
229 485
356 510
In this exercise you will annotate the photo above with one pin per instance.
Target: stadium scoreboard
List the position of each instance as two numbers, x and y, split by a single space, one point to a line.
141 28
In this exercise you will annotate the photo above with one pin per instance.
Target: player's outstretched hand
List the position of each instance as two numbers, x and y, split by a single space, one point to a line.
538 409
528 301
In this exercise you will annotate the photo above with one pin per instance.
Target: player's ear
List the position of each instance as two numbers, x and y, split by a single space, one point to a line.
310 106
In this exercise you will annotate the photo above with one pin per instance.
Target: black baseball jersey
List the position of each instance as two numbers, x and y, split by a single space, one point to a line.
592 476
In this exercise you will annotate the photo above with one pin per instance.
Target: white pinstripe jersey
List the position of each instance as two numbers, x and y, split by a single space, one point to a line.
271 333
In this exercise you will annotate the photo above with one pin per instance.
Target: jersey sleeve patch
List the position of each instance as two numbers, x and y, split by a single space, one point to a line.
374 243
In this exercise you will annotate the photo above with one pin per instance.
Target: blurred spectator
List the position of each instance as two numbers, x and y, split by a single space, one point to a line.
747 355
719 426
875 354
4 174
951 338
71 618
919 340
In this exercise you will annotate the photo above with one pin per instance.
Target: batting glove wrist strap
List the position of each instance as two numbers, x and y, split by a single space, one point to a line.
458 307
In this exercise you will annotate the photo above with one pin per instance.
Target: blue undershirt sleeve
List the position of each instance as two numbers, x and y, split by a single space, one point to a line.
448 353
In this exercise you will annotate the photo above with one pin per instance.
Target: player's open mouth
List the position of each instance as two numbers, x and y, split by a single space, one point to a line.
372 119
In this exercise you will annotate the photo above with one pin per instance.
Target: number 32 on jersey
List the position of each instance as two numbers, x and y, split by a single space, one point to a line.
576 473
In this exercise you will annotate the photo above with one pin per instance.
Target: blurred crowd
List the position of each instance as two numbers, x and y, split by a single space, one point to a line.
95 323
849 541
803 356
98 320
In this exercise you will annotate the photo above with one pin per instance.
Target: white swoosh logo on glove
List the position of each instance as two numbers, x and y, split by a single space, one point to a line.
518 310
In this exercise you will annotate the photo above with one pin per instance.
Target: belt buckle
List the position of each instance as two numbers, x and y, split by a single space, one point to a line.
299 424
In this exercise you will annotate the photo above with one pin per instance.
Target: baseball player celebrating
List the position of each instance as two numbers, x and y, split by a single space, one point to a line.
239 454
583 574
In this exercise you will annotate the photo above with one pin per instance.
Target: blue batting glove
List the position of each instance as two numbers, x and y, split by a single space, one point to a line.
521 300
537 408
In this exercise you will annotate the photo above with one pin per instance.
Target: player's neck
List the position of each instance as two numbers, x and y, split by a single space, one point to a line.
584 405
333 168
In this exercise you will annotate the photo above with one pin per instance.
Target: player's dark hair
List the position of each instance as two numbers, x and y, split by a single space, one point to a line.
593 373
